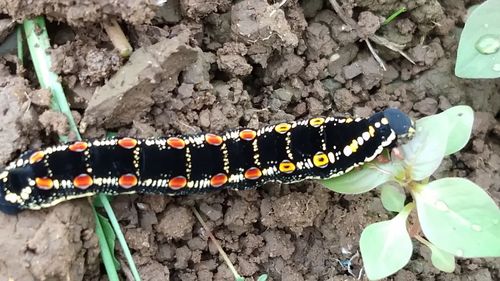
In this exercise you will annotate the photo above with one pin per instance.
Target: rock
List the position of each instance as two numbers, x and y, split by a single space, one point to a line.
18 121
176 228
427 106
129 92
54 244
254 20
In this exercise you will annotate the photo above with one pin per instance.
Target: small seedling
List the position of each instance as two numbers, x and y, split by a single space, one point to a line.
456 217
478 51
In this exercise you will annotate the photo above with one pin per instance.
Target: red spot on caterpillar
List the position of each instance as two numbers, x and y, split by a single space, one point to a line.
36 157
177 182
83 181
176 143
78 146
218 180
213 139
127 181
44 183
253 173
248 134
127 143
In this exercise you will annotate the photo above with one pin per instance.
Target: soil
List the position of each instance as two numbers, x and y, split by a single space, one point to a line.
213 65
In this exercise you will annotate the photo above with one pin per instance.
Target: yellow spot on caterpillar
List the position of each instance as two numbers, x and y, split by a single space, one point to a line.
354 146
286 166
384 121
316 122
282 128
349 120
320 160
371 131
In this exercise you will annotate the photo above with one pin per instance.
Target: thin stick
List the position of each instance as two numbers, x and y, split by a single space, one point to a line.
118 38
376 39
375 55
219 248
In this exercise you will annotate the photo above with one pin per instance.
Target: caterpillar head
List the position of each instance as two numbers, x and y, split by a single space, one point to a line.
402 124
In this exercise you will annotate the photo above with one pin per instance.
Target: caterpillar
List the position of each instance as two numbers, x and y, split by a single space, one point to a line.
317 148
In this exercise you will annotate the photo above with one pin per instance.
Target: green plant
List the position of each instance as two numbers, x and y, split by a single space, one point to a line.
456 216
477 54
38 44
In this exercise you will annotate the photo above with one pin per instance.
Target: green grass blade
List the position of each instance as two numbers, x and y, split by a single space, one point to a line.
119 234
394 15
20 45
106 253
38 44
109 235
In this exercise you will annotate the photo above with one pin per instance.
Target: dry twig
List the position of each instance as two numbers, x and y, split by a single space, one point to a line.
376 39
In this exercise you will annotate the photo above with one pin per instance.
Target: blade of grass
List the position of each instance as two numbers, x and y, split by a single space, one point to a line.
107 257
394 15
38 44
119 234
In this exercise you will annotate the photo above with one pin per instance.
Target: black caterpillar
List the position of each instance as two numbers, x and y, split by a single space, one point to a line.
317 148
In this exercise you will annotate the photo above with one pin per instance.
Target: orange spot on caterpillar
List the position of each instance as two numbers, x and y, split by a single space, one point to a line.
36 157
177 182
213 139
248 134
176 143
253 173
127 181
218 180
127 143
44 183
83 181
78 146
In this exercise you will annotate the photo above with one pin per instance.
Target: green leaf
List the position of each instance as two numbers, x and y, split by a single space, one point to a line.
386 246
442 260
459 217
476 55
426 150
460 118
363 180
392 197
110 237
